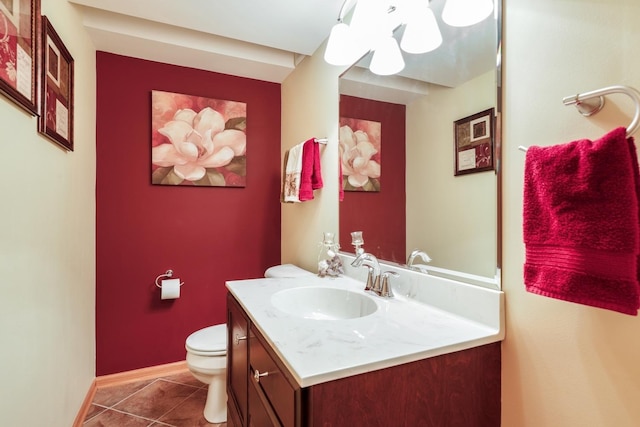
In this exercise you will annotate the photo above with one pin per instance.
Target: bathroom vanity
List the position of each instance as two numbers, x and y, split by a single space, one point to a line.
404 364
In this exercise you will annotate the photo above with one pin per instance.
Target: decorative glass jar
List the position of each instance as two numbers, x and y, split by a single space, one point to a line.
329 262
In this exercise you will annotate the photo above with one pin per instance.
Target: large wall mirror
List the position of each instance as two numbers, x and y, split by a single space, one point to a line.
423 199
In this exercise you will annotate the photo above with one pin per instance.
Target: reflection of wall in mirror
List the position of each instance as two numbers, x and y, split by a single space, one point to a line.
452 218
380 215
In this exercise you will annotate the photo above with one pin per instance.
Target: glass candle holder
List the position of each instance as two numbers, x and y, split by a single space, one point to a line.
357 241
356 238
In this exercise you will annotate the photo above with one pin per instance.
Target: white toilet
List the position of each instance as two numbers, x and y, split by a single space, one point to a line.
207 354
286 270
207 361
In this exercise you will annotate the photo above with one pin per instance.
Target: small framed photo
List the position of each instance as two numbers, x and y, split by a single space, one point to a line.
19 27
56 91
474 142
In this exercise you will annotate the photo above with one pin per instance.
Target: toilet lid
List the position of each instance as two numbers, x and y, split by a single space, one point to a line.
211 340
286 270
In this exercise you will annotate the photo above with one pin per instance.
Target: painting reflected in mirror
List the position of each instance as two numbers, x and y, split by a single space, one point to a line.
421 202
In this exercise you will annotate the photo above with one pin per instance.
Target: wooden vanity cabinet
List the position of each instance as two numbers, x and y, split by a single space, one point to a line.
460 389
260 390
237 364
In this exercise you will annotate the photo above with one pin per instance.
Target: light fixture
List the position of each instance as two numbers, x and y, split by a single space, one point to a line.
341 47
369 17
374 21
421 35
462 13
387 58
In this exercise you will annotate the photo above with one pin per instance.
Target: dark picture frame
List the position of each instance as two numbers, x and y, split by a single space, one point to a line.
474 143
56 90
19 58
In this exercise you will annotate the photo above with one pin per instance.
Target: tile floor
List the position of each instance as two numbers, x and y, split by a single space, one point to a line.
176 400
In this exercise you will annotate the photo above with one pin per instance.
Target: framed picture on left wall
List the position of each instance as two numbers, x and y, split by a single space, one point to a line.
56 89
19 24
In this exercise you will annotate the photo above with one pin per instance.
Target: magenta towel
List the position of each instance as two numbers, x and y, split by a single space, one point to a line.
581 222
316 177
311 175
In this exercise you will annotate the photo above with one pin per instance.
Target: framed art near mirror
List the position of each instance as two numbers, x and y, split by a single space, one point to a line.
473 143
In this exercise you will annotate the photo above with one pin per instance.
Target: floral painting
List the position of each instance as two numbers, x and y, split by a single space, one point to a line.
197 141
360 143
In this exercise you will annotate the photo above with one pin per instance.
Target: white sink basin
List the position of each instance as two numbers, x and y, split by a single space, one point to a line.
324 303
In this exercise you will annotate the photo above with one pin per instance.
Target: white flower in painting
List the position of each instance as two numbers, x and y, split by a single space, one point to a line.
357 152
198 141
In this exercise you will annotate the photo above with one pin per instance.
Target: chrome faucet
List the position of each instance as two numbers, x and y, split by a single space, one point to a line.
416 253
373 278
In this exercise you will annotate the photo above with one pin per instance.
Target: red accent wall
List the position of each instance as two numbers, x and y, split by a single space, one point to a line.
207 235
380 215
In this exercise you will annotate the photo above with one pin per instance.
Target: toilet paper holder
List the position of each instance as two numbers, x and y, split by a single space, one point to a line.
169 274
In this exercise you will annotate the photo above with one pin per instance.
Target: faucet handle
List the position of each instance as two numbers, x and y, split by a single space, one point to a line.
385 290
370 279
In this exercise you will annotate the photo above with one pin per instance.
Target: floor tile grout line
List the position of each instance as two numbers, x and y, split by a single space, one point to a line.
161 424
128 396
181 402
104 408
148 385
112 407
178 382
132 415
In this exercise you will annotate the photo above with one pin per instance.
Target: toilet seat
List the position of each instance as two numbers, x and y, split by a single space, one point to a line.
209 341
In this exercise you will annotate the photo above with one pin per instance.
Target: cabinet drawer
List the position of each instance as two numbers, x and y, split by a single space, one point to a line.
261 413
277 390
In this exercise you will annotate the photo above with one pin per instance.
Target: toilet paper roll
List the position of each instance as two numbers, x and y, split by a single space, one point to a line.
170 289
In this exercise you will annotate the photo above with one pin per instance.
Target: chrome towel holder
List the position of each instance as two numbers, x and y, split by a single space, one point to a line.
590 103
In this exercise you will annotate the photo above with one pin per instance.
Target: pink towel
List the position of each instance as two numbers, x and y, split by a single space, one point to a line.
311 175
582 222
316 177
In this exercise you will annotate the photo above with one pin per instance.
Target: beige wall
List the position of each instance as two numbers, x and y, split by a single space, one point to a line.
563 364
47 255
310 109
451 218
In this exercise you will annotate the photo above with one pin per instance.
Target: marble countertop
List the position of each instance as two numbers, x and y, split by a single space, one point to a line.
316 351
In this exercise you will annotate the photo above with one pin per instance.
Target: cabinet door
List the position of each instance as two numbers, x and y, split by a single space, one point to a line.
237 359
260 412
275 391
